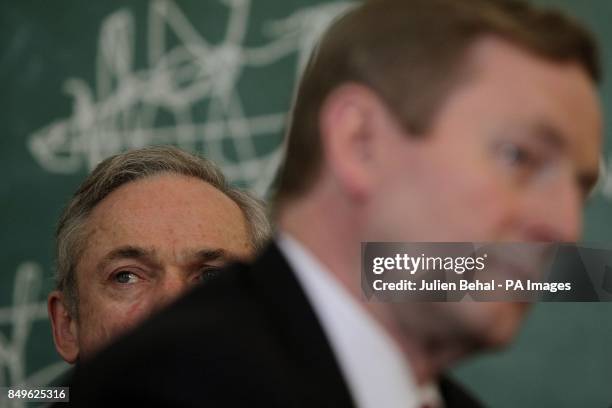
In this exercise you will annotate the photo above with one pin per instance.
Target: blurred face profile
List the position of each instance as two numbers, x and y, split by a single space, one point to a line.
147 242
510 156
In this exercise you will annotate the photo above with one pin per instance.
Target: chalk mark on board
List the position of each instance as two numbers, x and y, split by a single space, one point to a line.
25 310
121 112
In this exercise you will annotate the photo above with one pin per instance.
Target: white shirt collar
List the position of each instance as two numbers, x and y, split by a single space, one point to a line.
373 366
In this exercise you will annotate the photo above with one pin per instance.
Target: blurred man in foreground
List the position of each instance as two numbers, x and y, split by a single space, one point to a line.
416 120
145 226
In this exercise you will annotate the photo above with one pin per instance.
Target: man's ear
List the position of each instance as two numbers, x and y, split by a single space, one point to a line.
63 326
349 138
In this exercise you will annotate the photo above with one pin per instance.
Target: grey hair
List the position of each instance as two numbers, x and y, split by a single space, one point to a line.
123 168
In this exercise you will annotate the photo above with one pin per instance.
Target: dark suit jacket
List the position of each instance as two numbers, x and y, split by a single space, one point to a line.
246 337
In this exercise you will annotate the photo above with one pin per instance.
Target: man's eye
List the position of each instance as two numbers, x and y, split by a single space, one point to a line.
516 155
206 273
125 277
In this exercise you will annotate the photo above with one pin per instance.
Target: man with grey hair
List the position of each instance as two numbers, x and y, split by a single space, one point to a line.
142 228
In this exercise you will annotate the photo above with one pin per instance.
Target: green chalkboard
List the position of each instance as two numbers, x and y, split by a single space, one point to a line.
83 80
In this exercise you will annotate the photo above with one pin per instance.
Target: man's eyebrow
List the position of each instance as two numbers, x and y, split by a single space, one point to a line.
585 179
208 254
128 252
550 136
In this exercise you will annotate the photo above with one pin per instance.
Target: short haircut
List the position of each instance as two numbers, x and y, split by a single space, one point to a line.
412 53
127 167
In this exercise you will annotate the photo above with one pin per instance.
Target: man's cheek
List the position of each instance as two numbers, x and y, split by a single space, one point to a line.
136 312
486 210
110 320
93 333
122 316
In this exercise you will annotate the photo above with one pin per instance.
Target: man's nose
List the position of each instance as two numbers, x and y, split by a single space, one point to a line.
174 284
555 214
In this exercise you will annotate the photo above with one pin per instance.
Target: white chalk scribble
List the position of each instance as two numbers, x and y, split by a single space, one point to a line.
121 112
27 308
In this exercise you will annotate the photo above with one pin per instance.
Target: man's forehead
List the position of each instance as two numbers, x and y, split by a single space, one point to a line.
164 185
555 95
493 51
175 213
167 193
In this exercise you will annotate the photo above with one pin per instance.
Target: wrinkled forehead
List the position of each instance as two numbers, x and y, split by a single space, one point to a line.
166 212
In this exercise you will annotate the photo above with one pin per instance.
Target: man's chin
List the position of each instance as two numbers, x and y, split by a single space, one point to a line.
507 319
